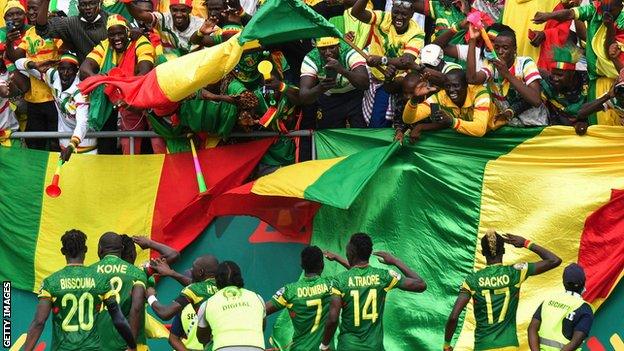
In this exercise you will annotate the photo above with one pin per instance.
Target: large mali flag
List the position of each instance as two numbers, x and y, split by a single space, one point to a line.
136 195
431 202
277 21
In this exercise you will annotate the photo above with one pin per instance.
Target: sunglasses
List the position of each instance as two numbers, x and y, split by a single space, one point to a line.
403 4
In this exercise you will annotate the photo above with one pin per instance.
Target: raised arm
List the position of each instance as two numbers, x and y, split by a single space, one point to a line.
451 323
169 254
360 12
531 93
411 281
611 45
42 15
330 256
549 259
165 312
120 322
559 16
138 13
472 76
36 327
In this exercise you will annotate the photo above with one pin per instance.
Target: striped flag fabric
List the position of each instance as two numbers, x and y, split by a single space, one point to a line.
430 203
136 195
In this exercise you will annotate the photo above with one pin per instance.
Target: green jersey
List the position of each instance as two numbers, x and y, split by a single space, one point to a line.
123 277
308 302
363 291
76 293
199 292
495 292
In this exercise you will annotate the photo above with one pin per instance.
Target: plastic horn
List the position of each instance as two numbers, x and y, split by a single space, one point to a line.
265 67
198 172
53 189
488 42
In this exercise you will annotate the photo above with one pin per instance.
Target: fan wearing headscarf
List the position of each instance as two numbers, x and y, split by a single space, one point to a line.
118 55
73 107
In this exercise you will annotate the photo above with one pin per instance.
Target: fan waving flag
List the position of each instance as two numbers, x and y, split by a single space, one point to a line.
280 21
277 21
135 195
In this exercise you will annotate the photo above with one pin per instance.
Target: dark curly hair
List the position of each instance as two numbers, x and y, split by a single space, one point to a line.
229 274
362 245
128 252
74 243
312 259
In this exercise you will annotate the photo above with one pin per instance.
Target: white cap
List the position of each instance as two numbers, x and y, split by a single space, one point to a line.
431 55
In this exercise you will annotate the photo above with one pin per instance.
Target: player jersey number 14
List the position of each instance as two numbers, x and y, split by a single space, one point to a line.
370 304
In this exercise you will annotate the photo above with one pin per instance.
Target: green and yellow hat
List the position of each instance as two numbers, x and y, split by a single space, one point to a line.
327 41
70 58
565 58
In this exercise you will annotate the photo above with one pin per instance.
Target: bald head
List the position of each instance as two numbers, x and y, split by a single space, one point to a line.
204 267
110 244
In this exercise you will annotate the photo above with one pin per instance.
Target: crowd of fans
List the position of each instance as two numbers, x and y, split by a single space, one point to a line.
412 65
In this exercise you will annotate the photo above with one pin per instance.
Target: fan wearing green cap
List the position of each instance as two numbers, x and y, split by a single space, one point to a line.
605 25
564 90
563 321
333 79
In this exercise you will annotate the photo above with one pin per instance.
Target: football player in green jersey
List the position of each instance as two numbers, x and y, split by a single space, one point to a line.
361 294
74 295
307 300
128 283
204 286
495 291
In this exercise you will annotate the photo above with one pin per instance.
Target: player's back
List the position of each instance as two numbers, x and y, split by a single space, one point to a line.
122 278
495 291
76 294
363 291
198 292
308 302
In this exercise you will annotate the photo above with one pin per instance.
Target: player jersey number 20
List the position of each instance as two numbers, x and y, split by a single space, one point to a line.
368 311
83 306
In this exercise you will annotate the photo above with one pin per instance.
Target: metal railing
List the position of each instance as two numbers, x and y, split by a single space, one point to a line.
150 134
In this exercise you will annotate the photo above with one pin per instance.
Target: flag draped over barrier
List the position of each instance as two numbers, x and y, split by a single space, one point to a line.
431 202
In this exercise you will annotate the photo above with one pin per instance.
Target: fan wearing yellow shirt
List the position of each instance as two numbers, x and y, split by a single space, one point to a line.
464 107
395 43
123 56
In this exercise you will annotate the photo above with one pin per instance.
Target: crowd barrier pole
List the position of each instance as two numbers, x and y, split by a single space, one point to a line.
151 134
